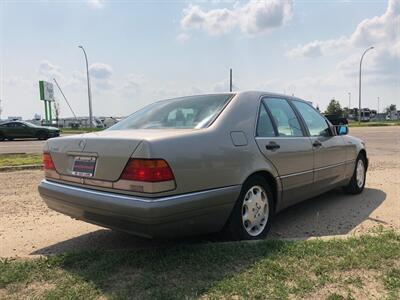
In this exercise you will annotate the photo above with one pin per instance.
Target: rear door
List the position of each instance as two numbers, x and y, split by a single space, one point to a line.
329 148
282 139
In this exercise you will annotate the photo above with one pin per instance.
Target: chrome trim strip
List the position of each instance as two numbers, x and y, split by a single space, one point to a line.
136 198
295 174
316 170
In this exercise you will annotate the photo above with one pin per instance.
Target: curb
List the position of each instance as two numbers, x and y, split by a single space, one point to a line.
20 168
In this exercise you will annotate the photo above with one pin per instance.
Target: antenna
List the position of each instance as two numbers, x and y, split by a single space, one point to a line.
65 98
230 80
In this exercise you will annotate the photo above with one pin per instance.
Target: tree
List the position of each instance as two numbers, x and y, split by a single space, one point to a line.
57 110
334 108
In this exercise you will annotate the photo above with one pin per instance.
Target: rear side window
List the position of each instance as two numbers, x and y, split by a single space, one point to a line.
284 117
186 112
264 124
317 125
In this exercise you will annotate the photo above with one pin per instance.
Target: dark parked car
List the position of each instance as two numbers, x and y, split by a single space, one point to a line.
336 119
20 129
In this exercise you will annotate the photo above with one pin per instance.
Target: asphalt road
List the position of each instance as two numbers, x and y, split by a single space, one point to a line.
22 146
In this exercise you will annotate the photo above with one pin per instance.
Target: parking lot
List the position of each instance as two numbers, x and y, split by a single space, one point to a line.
29 228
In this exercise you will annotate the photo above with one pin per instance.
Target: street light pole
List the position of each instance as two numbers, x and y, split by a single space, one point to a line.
349 107
359 85
89 90
349 100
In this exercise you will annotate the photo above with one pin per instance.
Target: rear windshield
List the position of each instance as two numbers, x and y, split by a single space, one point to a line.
186 112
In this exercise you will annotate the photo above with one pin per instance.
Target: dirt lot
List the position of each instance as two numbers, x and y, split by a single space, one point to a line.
29 228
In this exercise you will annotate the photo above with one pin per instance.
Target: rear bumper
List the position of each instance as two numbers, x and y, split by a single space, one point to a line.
172 216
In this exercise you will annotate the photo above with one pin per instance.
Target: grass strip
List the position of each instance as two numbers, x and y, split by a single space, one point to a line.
20 159
272 269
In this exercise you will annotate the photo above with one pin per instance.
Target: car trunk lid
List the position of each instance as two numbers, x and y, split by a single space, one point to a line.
111 151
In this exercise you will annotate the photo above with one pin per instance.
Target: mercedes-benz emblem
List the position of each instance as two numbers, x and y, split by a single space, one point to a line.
82 144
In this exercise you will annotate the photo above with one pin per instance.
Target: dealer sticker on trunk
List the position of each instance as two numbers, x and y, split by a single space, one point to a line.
84 166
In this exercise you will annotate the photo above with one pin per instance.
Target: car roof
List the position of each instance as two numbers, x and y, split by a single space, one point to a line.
257 94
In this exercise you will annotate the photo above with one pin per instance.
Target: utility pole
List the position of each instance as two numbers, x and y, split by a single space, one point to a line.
359 85
230 80
349 100
378 105
89 90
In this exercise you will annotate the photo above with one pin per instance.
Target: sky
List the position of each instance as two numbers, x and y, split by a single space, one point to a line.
143 51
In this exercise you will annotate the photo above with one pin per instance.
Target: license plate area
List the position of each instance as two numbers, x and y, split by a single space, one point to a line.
84 166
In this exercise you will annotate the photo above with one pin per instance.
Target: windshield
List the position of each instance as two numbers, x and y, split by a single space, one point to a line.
186 112
28 124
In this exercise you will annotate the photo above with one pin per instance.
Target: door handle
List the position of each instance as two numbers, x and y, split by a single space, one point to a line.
272 146
317 144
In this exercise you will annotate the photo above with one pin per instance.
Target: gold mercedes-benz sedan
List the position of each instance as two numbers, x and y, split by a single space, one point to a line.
202 164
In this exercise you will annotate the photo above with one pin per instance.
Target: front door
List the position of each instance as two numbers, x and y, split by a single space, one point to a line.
283 141
329 150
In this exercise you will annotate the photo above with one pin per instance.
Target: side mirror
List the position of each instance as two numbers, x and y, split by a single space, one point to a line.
342 129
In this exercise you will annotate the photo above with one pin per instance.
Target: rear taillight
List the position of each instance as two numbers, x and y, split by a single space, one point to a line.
48 162
148 170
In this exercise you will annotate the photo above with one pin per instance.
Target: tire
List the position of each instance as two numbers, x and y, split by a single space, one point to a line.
357 182
2 137
261 206
42 135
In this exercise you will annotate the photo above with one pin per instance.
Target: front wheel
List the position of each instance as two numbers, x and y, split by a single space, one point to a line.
357 182
252 215
42 135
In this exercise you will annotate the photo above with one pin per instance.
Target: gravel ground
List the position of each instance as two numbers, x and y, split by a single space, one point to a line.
29 228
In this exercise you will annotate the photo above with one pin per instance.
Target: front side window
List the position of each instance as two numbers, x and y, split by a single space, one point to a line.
317 125
284 117
186 112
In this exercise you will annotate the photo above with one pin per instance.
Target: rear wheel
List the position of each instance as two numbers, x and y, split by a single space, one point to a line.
252 215
357 182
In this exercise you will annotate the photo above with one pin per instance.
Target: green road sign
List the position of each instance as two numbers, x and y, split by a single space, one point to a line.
47 96
46 91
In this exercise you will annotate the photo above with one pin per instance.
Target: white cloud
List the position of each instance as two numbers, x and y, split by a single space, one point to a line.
262 16
133 85
381 66
48 71
318 48
183 37
101 75
96 3
380 31
100 71
17 81
223 86
252 18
